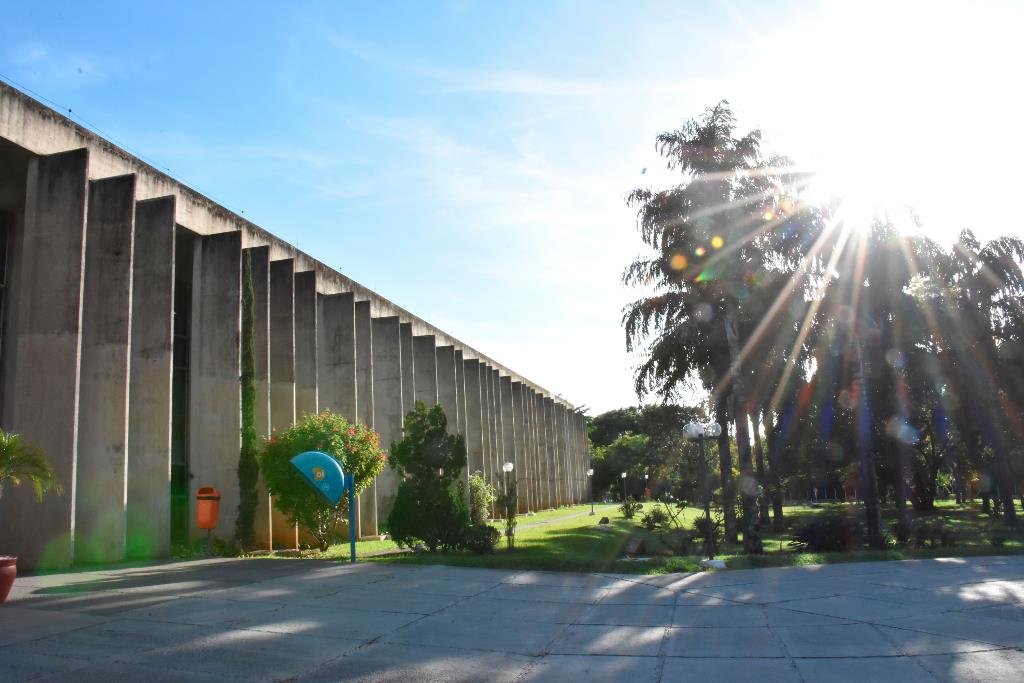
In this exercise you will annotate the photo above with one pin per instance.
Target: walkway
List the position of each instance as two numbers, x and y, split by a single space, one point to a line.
317 621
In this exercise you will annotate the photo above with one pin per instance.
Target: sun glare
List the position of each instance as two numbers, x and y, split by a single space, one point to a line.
900 109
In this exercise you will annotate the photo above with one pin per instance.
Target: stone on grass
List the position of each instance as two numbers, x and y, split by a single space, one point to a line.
713 564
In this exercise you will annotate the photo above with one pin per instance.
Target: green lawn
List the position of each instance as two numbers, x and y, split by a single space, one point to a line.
569 541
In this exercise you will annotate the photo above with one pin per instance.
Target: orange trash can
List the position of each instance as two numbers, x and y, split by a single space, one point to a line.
207 507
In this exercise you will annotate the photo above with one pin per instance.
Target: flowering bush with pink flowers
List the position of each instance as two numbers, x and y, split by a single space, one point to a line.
354 445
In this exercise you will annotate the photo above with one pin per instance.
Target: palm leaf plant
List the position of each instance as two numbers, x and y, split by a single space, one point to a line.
22 462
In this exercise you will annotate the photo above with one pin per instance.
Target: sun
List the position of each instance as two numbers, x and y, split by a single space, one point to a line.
862 193
903 109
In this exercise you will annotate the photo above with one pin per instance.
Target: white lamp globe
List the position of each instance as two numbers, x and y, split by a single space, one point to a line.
713 430
623 475
590 472
507 467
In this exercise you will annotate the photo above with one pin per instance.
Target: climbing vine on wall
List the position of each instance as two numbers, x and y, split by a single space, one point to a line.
248 467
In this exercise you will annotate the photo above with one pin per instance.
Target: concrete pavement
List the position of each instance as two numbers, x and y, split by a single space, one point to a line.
926 620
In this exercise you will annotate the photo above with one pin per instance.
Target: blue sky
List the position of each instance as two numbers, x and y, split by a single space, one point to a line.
469 160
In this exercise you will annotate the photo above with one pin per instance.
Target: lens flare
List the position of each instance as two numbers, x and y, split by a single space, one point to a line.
700 251
717 242
678 262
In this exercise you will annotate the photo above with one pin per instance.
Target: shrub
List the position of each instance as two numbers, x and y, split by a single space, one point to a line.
355 446
481 538
655 518
481 497
710 530
679 541
630 507
430 505
934 533
828 533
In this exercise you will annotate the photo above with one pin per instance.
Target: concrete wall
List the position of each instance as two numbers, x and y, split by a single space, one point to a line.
149 407
214 390
408 368
89 335
258 260
367 502
474 432
508 438
305 344
447 395
102 471
47 348
336 354
498 457
387 404
425 367
282 375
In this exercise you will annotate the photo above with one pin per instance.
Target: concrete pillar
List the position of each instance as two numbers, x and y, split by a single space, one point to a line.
149 384
474 419
214 391
523 473
570 440
549 452
102 469
367 507
387 404
282 345
584 458
460 391
425 367
544 424
258 259
553 454
569 481
530 404
574 459
305 344
408 371
538 464
47 346
486 416
581 451
446 393
497 431
282 375
561 488
508 439
336 355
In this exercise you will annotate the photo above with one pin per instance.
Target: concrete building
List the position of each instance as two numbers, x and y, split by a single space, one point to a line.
120 319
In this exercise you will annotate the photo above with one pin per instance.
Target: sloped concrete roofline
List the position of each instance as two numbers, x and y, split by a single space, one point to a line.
41 130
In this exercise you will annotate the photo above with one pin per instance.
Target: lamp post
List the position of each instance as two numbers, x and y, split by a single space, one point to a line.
646 489
623 476
590 478
698 431
506 468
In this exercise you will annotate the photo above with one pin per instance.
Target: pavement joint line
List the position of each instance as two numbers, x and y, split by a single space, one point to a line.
659 672
995 646
791 661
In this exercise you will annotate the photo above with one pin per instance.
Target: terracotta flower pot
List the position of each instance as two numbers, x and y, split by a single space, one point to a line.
8 570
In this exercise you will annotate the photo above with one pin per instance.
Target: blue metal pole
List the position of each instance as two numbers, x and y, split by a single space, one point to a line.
350 484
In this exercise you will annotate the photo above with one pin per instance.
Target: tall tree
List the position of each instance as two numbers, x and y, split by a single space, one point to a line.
712 235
